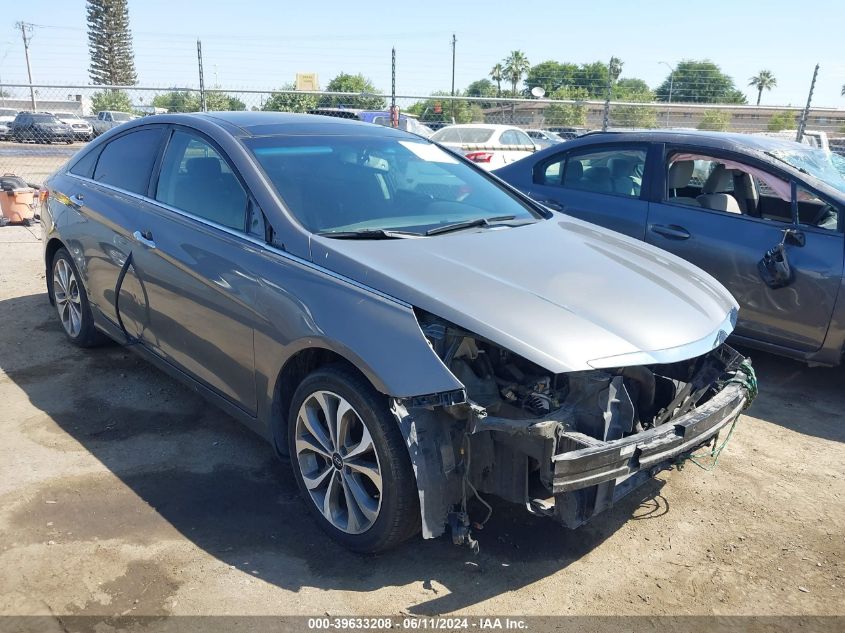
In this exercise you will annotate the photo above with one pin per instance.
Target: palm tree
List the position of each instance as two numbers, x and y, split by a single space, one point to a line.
764 80
843 90
497 74
516 65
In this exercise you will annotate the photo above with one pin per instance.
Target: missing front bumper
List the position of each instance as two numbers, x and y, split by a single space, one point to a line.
598 462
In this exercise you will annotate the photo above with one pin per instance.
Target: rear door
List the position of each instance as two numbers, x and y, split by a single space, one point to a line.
599 184
196 266
763 205
105 188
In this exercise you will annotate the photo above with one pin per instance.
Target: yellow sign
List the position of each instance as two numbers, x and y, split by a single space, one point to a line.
307 81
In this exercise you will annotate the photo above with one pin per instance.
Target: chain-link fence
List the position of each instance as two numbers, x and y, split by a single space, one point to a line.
42 126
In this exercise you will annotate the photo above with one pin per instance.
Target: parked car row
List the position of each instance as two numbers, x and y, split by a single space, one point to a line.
56 127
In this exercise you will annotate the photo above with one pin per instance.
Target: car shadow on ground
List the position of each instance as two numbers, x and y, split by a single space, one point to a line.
191 471
808 400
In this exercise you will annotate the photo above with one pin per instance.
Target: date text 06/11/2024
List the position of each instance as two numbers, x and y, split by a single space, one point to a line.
422 624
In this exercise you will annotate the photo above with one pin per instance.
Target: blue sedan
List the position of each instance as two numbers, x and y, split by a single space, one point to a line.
762 215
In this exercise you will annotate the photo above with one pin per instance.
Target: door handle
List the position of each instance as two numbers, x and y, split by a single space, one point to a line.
552 204
145 238
673 232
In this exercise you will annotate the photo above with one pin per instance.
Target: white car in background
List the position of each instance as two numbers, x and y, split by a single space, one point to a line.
489 146
7 115
82 129
544 138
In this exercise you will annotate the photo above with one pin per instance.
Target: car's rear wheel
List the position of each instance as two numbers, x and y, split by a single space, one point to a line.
350 461
71 302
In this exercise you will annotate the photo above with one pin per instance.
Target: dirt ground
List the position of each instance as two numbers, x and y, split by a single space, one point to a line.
123 492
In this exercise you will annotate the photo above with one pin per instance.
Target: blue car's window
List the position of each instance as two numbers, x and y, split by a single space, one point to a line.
351 183
617 171
196 179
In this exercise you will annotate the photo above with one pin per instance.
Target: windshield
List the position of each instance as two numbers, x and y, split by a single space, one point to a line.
121 116
359 183
826 166
462 135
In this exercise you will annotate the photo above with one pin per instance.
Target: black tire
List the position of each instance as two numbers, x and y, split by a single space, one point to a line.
399 515
88 335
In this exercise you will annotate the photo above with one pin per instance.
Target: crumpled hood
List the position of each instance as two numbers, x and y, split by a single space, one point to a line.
562 293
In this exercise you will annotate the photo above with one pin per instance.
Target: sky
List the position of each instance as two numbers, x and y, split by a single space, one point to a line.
250 44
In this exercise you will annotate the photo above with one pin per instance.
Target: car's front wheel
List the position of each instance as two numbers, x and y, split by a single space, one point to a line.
71 302
350 461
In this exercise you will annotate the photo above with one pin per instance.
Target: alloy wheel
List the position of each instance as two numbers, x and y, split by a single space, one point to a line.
338 462
66 295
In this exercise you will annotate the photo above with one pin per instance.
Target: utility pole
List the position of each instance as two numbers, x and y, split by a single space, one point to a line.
394 115
454 41
203 106
606 117
26 34
803 123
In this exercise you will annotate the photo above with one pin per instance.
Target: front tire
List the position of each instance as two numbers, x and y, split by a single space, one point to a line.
71 302
350 461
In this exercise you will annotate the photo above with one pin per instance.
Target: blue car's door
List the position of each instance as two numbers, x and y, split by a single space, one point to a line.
727 216
599 184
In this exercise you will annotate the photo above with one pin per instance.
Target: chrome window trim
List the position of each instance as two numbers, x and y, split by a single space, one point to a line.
245 237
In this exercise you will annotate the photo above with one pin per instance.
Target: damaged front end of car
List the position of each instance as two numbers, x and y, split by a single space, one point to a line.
567 445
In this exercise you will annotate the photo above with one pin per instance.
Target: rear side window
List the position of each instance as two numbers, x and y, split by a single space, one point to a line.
85 165
617 171
127 161
197 179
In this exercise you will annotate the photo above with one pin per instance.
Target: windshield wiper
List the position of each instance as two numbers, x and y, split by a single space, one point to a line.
783 160
369 234
467 224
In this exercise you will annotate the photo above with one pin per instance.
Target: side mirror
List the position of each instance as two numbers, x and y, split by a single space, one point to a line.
794 237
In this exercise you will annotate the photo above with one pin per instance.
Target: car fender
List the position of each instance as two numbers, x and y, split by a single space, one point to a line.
306 306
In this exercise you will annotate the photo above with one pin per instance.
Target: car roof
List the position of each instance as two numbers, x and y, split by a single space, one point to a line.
279 123
723 140
486 126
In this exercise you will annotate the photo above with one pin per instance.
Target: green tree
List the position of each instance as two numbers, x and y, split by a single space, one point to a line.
287 102
111 100
714 120
482 88
567 114
110 43
516 65
699 81
436 110
220 101
498 73
593 78
633 116
783 121
764 80
178 101
632 89
345 82
614 68
550 76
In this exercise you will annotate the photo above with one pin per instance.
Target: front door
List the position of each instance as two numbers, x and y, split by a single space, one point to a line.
725 218
200 286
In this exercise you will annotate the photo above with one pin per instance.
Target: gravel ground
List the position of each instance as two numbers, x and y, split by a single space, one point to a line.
122 492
